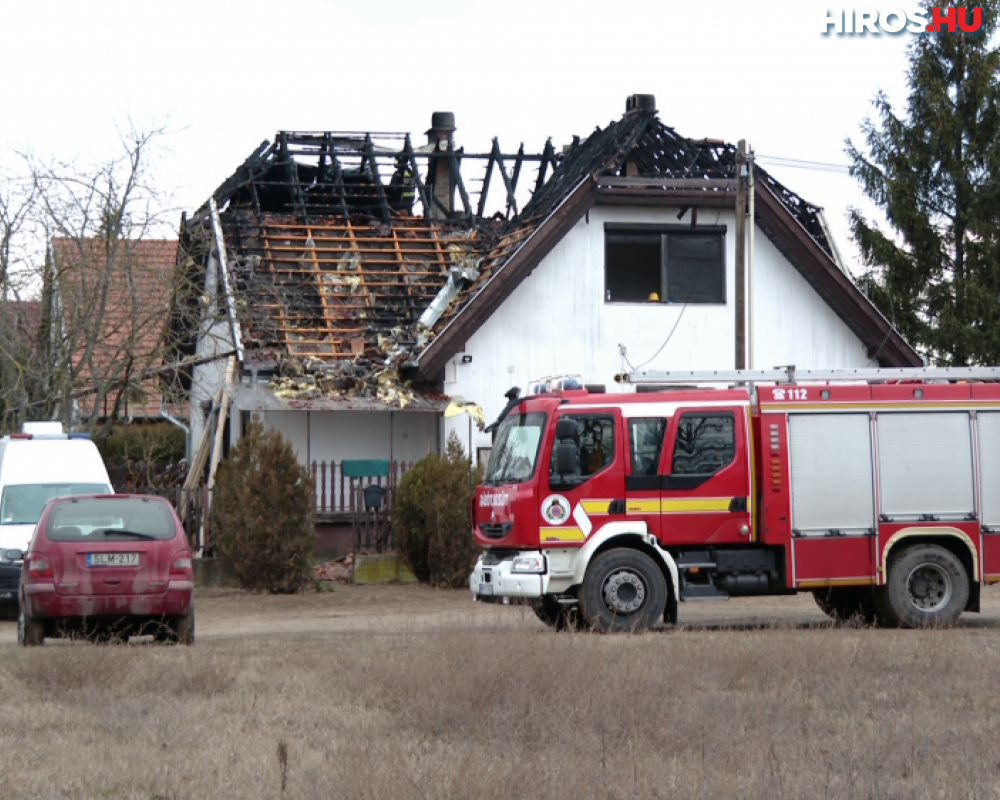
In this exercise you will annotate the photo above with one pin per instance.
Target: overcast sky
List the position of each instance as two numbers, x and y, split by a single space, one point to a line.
223 76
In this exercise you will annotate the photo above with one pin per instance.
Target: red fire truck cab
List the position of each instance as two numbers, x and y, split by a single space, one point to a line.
608 510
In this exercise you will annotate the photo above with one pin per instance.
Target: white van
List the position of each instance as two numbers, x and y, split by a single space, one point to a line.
36 465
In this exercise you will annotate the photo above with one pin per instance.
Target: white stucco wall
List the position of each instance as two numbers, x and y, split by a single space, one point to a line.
557 321
336 435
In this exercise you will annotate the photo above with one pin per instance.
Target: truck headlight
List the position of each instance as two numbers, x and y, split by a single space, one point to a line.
533 564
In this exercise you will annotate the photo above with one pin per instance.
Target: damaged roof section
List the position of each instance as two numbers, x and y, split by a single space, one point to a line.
350 255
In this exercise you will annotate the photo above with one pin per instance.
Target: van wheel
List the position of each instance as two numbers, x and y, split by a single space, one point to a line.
623 590
30 632
927 585
847 603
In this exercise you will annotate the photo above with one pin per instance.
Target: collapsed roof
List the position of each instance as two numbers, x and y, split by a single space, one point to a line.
345 249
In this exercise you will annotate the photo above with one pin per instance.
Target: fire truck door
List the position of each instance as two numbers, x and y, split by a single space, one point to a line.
579 502
705 498
642 483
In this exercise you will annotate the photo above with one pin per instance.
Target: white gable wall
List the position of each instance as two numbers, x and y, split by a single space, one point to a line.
557 321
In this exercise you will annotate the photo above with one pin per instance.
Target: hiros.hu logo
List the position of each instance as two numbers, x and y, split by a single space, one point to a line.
939 19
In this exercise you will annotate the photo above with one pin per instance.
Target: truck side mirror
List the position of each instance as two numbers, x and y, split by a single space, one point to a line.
565 429
566 458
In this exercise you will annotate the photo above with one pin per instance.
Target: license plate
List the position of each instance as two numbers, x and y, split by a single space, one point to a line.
486 588
112 559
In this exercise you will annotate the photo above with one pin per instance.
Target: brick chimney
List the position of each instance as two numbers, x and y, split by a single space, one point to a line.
440 136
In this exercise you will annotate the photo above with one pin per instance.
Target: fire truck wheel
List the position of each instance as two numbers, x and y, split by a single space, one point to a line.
623 590
927 585
847 603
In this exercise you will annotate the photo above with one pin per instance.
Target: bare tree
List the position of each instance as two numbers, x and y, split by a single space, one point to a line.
102 267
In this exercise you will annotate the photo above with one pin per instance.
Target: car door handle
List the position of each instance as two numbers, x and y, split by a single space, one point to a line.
113 581
738 504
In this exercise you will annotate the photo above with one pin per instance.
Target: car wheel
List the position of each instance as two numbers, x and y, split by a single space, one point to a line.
30 632
184 628
623 590
927 585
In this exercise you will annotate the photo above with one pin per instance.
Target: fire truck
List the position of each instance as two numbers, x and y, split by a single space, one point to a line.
876 490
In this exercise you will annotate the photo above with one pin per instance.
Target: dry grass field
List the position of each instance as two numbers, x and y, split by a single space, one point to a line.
494 705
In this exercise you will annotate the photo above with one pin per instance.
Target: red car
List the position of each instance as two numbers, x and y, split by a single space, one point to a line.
105 566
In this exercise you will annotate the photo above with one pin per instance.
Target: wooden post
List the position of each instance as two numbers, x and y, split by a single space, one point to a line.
740 261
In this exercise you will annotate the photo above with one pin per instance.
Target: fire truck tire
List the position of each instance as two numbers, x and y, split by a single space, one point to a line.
847 603
623 590
927 585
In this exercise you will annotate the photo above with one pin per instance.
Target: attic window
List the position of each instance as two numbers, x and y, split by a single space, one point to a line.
657 266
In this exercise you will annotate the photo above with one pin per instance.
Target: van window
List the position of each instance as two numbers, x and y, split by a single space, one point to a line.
23 504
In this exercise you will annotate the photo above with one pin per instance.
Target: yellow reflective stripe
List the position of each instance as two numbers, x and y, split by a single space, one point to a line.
695 504
596 506
642 506
560 535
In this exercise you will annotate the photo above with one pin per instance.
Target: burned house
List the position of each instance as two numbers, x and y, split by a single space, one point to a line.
362 280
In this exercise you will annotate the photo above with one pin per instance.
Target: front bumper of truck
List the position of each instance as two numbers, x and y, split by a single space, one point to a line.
498 579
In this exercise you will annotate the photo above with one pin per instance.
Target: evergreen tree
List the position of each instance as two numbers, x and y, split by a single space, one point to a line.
935 173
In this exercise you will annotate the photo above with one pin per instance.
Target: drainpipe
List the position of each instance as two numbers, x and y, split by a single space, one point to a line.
750 265
174 421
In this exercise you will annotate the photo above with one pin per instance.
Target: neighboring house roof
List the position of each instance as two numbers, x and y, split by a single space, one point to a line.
114 299
335 262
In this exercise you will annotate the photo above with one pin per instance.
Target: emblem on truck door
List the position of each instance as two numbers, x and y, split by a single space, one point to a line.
555 509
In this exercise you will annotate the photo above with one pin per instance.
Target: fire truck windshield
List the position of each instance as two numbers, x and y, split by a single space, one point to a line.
516 451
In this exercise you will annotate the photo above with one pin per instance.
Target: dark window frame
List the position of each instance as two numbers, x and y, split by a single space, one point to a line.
629 421
664 233
557 485
703 413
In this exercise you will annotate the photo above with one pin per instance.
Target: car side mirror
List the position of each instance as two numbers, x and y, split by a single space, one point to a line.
14 555
565 458
565 429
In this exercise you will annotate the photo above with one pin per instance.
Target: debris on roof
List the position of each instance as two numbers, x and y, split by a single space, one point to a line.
348 253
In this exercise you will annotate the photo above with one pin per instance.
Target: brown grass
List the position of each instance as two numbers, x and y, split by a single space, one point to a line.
771 713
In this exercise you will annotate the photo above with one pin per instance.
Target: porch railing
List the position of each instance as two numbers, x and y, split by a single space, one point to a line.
337 493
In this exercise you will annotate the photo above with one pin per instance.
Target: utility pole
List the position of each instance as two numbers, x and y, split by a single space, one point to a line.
751 180
740 265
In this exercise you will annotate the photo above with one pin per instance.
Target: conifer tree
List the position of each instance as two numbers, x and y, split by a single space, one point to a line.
935 173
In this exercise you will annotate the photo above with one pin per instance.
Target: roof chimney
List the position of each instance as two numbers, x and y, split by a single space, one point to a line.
646 103
440 136
442 127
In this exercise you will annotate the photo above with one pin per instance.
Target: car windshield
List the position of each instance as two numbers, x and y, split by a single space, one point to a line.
514 455
22 505
133 518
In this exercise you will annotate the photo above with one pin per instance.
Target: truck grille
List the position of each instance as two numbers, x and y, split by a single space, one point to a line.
494 530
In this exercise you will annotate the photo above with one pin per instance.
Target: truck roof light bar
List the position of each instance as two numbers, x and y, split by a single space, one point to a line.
790 374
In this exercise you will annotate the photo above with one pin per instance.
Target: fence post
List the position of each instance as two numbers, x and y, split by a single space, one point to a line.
341 505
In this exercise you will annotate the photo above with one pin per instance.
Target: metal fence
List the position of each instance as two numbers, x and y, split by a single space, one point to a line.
335 495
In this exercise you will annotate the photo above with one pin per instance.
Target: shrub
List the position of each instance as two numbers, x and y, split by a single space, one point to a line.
263 512
433 516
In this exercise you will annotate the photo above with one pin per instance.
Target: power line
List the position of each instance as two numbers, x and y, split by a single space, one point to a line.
798 163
